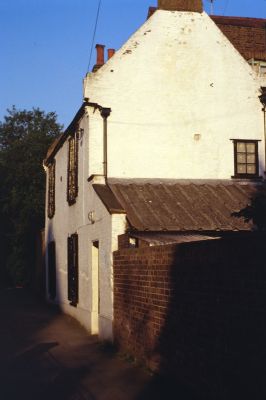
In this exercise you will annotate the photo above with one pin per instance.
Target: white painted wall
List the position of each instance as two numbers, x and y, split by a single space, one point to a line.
74 219
178 76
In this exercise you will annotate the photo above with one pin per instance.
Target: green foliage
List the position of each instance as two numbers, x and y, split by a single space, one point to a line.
24 139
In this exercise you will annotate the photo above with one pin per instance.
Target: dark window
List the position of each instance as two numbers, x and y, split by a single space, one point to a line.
72 170
73 284
51 271
246 158
51 190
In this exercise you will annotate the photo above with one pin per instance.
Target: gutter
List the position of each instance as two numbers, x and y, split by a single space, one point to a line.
58 143
262 98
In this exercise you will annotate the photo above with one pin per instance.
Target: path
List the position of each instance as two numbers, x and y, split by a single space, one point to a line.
47 355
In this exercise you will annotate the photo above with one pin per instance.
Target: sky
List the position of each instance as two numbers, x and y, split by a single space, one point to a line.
45 46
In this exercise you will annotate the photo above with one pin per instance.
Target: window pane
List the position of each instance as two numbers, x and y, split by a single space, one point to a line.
251 169
251 159
241 169
241 147
241 158
251 148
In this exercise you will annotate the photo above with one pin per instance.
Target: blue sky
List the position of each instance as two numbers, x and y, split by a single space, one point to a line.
45 45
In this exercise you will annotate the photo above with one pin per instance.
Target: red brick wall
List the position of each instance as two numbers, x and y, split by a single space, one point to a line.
196 310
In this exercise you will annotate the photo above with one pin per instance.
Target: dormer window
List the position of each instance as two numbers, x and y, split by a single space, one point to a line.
72 170
246 158
51 190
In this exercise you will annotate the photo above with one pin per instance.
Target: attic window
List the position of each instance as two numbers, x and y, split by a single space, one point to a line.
246 158
51 190
72 170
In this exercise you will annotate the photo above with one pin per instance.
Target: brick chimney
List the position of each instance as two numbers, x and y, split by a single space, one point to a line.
100 57
181 5
110 52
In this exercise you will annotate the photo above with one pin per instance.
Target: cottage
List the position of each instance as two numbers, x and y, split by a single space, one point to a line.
168 145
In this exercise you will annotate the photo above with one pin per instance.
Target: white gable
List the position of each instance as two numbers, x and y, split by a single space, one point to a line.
179 91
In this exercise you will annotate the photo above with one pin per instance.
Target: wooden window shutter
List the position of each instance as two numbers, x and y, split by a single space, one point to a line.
72 170
51 271
73 270
51 190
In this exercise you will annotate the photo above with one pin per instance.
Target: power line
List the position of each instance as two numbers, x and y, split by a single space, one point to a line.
94 33
225 8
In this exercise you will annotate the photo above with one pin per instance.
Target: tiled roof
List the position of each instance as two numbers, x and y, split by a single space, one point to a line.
186 206
248 35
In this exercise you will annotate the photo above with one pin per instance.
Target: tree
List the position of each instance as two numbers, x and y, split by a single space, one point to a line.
24 139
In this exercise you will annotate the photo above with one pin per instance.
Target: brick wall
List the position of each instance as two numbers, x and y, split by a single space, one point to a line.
198 311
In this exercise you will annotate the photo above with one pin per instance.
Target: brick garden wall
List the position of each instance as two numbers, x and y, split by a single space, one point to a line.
198 311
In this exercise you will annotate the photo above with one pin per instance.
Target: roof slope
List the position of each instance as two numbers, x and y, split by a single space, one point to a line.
248 35
186 206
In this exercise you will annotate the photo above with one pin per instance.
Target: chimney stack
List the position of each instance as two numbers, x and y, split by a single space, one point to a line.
100 57
181 5
110 52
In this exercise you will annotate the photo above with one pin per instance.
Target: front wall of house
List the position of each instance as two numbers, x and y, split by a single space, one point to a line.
89 218
179 92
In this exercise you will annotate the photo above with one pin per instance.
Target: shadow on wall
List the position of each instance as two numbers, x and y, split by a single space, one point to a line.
256 210
198 312
212 344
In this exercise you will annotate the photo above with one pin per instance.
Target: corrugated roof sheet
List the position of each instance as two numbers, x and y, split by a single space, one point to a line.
186 206
108 199
161 238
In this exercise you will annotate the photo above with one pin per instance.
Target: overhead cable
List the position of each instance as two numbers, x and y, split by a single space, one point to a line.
94 32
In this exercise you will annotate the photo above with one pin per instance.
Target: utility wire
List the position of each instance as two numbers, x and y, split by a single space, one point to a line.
226 5
94 33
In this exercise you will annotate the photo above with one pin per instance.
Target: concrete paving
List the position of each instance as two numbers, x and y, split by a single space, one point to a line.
47 355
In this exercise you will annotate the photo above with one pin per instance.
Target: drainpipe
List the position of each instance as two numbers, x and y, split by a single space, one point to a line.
105 112
262 98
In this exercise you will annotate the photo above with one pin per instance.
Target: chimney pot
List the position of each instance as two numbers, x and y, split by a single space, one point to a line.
111 52
181 5
100 54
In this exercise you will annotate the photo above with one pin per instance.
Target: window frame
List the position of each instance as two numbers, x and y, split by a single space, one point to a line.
246 175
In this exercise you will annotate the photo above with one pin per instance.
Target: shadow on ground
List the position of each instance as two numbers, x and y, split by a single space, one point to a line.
47 355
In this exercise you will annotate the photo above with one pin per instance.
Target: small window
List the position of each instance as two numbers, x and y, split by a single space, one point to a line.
246 158
72 170
51 190
73 270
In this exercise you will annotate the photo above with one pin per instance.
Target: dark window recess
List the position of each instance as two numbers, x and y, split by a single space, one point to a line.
51 190
246 158
72 170
73 271
51 271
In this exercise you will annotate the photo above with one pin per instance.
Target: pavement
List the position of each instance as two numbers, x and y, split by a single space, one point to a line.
47 355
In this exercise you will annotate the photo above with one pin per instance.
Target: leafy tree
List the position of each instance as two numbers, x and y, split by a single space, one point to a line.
24 139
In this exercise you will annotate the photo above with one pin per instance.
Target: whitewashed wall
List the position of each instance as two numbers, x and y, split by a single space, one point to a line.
74 219
178 76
